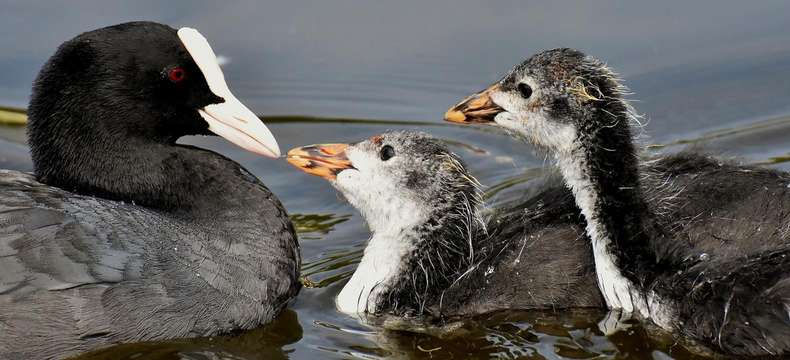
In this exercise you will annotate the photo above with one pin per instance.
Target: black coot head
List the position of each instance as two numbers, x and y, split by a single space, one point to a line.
129 87
137 78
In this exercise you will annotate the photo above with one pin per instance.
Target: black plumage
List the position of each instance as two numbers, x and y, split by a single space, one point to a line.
122 234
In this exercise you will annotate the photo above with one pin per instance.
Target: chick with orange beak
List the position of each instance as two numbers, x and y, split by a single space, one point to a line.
722 283
431 252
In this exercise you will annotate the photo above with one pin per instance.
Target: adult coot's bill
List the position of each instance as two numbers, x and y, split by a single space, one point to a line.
122 234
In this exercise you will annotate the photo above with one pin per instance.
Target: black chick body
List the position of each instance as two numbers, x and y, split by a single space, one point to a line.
536 254
720 277
457 260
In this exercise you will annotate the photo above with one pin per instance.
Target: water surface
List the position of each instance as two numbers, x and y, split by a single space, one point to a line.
708 74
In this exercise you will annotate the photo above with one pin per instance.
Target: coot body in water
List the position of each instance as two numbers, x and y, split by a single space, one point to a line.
122 234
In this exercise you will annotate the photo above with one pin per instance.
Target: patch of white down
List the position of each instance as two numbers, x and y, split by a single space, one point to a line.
533 123
390 214
619 292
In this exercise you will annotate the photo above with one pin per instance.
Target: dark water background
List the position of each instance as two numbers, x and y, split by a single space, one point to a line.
714 74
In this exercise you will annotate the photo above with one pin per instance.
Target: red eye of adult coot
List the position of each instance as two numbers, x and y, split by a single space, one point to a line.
176 74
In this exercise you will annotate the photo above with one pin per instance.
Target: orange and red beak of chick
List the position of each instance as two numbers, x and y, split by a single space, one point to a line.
324 160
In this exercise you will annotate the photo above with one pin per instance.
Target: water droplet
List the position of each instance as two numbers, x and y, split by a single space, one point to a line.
489 271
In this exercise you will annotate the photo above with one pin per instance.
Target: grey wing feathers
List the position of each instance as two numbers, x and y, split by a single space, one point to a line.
55 270
79 272
43 246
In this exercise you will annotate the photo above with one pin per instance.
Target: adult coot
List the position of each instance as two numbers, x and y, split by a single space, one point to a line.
122 234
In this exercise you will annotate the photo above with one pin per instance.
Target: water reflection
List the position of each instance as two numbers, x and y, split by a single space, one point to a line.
268 342
311 226
707 74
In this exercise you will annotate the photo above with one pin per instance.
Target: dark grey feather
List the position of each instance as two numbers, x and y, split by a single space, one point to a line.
80 272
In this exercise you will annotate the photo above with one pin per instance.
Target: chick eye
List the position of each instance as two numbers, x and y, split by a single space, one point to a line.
176 74
525 90
386 153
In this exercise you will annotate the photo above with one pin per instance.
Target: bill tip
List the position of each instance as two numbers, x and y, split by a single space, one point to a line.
454 116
